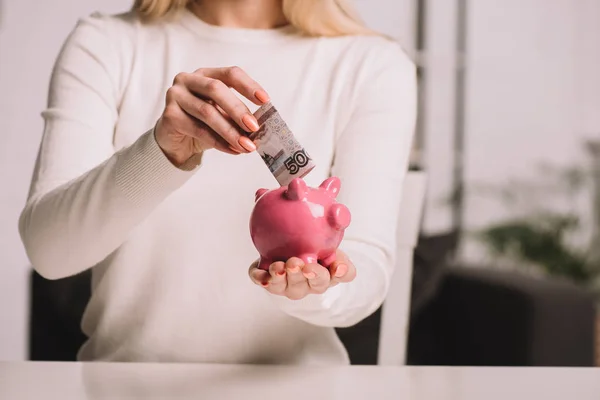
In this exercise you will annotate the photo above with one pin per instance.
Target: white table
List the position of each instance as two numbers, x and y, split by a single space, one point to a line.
65 381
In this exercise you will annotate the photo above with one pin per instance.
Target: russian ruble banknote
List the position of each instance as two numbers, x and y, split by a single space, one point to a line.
279 149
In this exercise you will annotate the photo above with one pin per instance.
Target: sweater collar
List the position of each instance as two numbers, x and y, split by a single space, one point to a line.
228 34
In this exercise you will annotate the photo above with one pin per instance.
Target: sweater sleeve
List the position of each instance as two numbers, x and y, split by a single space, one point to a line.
371 160
85 198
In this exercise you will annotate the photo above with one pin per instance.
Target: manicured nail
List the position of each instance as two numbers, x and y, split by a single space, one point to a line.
281 273
261 96
341 270
294 269
310 275
247 144
264 284
250 122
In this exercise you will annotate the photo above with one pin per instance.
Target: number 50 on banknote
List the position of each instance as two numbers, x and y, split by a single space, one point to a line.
279 149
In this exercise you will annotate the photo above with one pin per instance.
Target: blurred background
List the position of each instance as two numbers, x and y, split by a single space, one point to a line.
507 267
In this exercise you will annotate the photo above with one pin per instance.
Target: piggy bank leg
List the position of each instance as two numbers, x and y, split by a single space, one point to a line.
264 263
327 261
309 258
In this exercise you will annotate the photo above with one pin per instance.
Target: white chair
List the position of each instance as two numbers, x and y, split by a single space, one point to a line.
396 309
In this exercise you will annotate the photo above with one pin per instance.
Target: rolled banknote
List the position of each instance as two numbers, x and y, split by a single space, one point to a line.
278 147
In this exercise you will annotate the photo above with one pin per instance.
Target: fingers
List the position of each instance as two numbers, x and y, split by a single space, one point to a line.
274 280
238 79
258 276
293 268
318 278
297 284
224 97
342 270
218 143
212 118
278 279
295 280
204 138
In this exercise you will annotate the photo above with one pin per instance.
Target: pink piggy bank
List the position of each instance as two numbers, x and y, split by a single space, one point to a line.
298 221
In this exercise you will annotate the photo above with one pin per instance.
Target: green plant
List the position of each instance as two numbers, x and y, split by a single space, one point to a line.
539 233
541 243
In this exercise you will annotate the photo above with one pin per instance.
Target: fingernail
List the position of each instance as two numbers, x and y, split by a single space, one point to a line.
264 284
309 275
281 273
294 269
341 270
247 143
261 96
250 122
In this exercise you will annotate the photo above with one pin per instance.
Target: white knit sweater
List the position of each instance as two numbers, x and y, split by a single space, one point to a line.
170 248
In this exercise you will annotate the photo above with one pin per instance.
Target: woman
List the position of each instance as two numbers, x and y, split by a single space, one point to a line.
154 192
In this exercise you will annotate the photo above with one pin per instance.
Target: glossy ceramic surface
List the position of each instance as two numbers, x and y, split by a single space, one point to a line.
299 221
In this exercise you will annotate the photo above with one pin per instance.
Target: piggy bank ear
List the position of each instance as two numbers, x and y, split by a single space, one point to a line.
296 190
331 185
339 217
259 193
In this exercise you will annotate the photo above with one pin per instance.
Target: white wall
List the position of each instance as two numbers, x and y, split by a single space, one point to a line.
31 33
533 92
391 17
439 60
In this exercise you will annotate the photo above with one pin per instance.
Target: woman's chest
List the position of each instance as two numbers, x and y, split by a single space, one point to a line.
306 93
299 89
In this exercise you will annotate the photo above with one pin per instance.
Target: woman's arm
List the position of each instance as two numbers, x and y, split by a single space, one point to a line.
371 160
85 198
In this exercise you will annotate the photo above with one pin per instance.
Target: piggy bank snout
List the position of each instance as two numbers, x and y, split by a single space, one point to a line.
339 217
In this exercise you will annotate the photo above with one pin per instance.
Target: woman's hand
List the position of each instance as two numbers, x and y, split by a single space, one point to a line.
294 279
202 112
